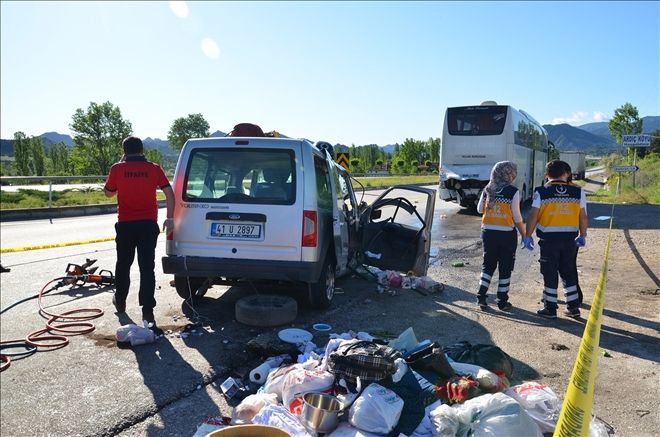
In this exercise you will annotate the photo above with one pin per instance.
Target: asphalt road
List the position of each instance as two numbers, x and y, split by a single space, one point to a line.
94 387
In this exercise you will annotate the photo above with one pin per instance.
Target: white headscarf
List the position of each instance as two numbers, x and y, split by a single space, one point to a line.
502 174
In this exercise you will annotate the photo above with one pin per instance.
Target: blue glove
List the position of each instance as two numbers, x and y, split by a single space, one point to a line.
527 243
581 241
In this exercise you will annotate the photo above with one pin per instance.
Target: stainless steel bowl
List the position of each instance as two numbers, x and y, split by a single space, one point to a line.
320 412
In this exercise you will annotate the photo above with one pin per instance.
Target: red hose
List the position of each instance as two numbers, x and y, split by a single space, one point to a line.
61 323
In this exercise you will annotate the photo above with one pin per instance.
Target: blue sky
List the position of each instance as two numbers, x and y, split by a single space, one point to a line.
344 72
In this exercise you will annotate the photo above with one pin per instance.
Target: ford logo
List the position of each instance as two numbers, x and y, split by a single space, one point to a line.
234 216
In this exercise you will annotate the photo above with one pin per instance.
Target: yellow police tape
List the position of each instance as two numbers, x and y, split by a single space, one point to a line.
576 411
55 245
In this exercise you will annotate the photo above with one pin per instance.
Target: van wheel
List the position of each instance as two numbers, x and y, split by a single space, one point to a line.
320 294
266 310
181 285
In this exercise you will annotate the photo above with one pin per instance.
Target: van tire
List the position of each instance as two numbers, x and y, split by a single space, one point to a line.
181 285
320 293
266 310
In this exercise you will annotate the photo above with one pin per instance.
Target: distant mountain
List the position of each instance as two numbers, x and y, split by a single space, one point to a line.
649 124
567 137
389 149
54 138
218 133
161 145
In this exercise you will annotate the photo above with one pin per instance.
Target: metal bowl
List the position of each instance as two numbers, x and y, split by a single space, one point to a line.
321 411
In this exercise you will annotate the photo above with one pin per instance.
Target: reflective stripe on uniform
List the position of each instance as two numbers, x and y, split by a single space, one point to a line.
558 228
496 227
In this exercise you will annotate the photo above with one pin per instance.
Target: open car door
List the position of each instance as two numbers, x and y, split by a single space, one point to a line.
396 230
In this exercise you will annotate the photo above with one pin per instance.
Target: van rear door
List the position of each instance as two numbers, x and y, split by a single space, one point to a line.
240 201
396 229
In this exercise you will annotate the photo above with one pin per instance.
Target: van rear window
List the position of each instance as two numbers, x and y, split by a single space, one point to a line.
239 175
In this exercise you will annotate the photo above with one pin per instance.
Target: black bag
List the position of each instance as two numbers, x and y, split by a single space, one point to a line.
246 130
487 356
366 359
431 358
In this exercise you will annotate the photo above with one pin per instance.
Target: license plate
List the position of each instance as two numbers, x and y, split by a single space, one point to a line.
236 231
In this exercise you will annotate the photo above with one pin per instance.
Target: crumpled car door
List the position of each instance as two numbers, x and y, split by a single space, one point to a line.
395 230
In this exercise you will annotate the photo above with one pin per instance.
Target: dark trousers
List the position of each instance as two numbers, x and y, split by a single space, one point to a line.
141 235
558 258
499 253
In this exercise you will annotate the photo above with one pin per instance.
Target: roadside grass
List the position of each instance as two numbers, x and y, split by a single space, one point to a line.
388 181
26 198
647 185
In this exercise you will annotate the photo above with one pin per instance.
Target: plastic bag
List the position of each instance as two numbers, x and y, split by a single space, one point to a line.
539 401
300 381
344 429
276 378
377 410
251 405
445 421
487 356
279 417
494 415
488 381
135 334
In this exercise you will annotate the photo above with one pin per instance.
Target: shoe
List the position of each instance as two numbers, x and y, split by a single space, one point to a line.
155 329
573 312
505 306
483 304
546 313
120 307
4 269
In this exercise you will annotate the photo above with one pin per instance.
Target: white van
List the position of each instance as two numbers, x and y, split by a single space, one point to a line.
281 209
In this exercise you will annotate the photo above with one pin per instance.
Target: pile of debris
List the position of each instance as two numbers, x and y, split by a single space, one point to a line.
359 385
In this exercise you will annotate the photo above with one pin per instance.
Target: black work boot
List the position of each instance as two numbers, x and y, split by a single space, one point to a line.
482 302
120 307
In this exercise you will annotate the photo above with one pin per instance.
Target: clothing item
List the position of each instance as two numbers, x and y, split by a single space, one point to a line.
499 253
141 236
558 257
502 174
135 180
502 210
559 207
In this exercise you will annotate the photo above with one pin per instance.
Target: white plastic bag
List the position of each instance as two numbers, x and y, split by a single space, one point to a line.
445 421
300 381
279 417
135 334
251 405
344 429
488 381
539 401
377 410
276 378
495 415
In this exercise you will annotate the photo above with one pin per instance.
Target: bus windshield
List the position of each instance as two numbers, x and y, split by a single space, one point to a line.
476 120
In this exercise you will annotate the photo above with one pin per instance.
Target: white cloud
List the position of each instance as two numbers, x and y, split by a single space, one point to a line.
600 116
180 8
577 117
210 48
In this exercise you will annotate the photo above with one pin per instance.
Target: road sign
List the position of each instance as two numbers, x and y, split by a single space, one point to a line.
342 159
643 140
625 168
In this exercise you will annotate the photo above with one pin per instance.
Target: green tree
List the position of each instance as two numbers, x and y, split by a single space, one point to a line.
184 128
655 142
97 136
37 157
58 156
154 155
626 121
21 154
433 146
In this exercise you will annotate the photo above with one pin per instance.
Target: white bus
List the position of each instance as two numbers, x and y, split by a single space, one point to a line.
474 138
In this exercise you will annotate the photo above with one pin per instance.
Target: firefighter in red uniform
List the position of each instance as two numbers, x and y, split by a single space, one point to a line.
134 181
500 205
559 214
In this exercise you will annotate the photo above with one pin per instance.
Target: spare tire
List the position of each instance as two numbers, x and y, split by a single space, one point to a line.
266 310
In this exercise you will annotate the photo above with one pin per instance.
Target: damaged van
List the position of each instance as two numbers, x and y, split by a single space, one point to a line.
281 209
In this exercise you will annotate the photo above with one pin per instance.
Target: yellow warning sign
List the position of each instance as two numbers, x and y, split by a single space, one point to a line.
343 160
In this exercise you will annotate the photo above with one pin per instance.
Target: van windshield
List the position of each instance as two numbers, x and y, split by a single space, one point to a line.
238 175
476 120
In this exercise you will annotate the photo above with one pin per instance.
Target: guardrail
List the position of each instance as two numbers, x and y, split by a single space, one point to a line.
50 180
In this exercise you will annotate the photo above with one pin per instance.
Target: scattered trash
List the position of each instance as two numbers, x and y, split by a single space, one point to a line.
134 334
603 217
229 387
558 347
295 335
321 327
457 264
373 255
606 354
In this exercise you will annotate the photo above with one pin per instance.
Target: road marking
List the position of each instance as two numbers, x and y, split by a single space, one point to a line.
54 245
579 398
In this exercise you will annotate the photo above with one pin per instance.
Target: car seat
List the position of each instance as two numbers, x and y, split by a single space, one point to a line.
275 186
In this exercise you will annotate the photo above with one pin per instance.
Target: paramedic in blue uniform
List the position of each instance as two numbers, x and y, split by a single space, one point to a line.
559 215
500 205
134 181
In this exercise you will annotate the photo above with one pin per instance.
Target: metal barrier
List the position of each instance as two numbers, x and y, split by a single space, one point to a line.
49 179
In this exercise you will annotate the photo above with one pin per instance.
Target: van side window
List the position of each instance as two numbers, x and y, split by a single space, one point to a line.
323 191
205 179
